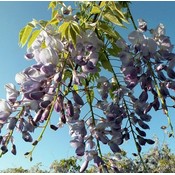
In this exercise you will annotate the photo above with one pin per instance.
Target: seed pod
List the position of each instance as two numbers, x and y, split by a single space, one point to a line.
84 166
77 98
13 151
12 123
140 132
143 125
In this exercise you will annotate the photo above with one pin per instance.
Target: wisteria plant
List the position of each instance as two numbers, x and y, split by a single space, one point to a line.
71 53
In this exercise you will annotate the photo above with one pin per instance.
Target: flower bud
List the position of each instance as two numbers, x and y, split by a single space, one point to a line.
114 147
36 95
84 166
143 125
13 151
26 136
70 109
77 98
38 116
12 123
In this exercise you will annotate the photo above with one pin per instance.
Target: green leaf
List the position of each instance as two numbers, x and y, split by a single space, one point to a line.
54 13
90 96
33 37
43 23
24 35
67 74
107 29
52 5
54 21
95 10
31 24
109 16
75 27
72 35
105 62
75 87
112 89
21 34
63 29
102 4
114 9
114 50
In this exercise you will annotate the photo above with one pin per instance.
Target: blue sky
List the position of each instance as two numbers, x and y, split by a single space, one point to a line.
15 15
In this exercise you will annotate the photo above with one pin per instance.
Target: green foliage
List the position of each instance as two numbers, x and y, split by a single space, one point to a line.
33 37
105 62
25 34
159 159
65 166
90 96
